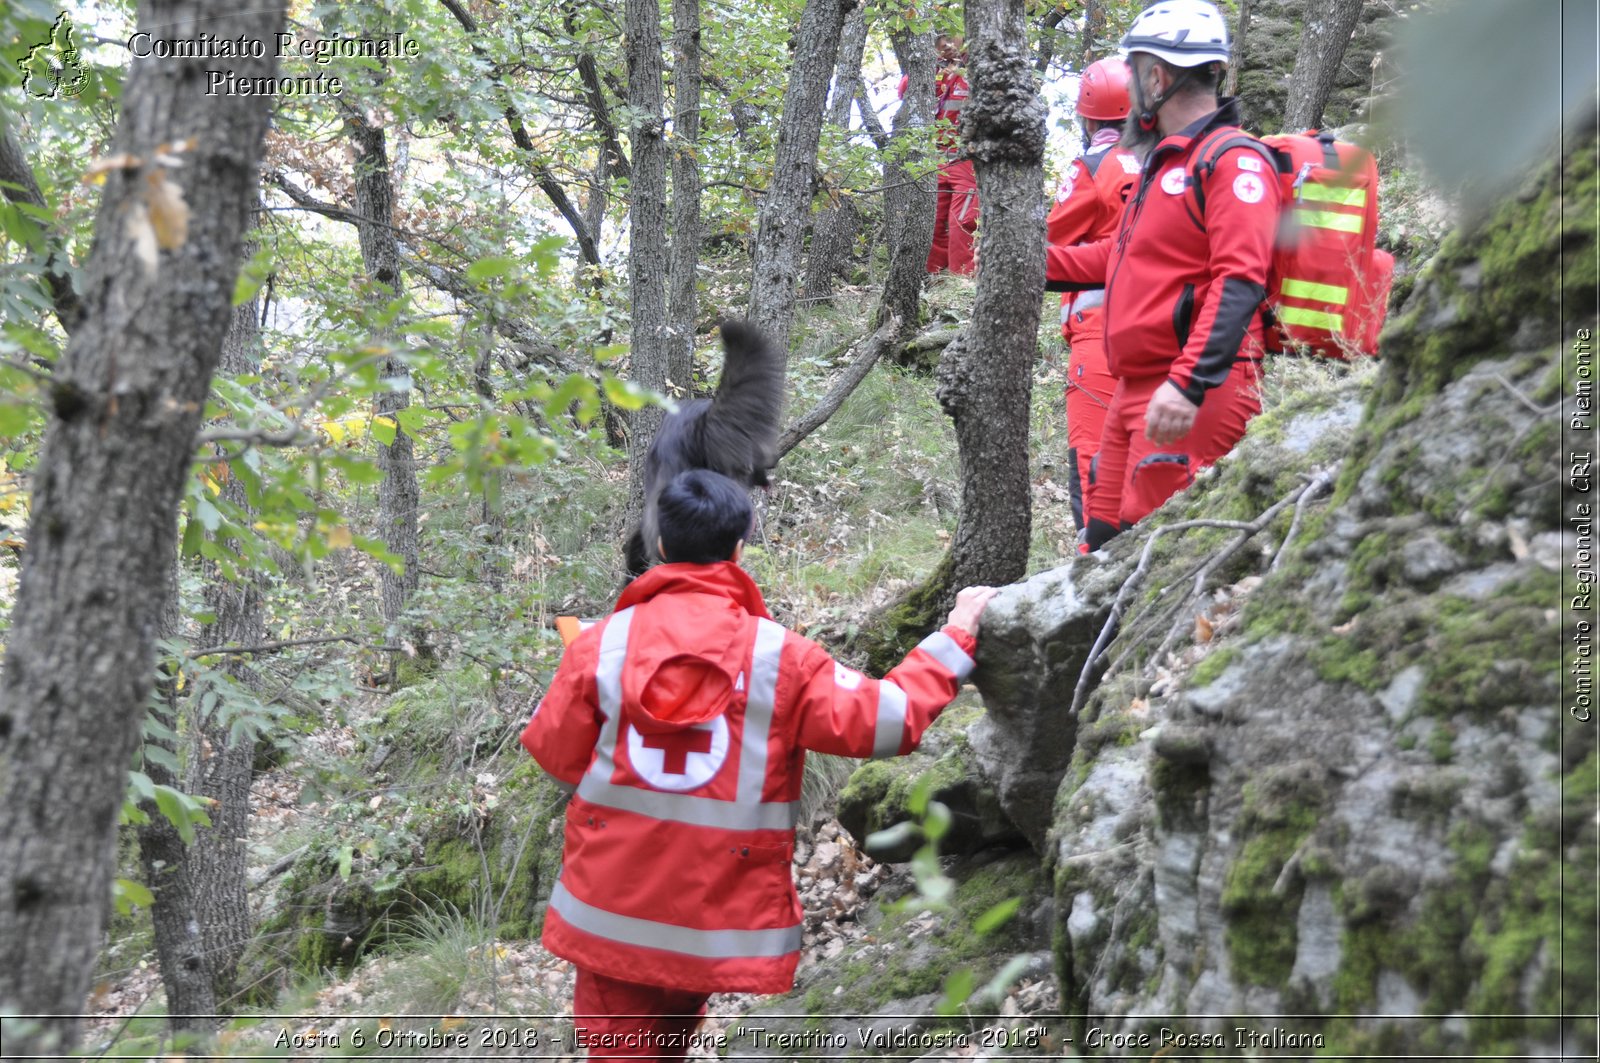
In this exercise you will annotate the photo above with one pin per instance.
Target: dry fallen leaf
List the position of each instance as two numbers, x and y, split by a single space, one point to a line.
96 173
1203 628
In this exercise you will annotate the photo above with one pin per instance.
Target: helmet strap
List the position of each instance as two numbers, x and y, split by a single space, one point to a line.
1148 109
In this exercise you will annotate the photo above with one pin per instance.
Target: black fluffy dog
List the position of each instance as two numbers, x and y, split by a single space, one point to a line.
734 432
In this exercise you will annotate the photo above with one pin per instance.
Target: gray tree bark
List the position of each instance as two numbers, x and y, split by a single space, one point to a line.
684 254
834 229
201 915
398 497
19 185
910 181
647 228
127 399
787 204
1241 40
986 376
1323 39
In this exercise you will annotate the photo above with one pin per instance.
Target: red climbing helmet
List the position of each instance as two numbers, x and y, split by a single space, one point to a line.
1103 90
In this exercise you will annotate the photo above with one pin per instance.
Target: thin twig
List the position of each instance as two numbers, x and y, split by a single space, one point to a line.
1319 484
1542 411
284 644
1249 528
852 376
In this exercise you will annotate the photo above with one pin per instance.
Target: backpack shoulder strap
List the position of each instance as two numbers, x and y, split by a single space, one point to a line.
1212 150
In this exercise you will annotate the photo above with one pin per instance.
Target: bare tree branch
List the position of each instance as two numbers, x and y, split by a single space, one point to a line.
853 375
19 186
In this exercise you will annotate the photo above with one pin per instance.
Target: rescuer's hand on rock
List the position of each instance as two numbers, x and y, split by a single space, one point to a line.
969 608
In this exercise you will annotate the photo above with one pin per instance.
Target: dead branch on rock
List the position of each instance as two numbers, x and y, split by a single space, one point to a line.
1247 530
853 375
1320 484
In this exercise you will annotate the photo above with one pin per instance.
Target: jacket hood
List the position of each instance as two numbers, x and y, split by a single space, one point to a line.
687 644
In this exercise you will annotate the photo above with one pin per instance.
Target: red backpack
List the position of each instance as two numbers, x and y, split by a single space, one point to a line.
1328 290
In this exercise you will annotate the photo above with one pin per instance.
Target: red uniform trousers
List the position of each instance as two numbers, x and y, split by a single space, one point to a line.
956 219
1133 476
625 1020
1090 386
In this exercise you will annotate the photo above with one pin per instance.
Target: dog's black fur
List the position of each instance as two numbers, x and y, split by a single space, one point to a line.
734 432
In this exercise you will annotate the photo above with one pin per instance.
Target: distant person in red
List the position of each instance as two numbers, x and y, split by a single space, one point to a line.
1087 207
682 720
956 219
1185 275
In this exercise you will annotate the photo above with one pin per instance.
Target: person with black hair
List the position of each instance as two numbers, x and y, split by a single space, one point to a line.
682 720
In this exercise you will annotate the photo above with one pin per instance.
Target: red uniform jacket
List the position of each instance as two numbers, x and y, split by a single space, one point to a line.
950 90
683 720
1087 208
1185 275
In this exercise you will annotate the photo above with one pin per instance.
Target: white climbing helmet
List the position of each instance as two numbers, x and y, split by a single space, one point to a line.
1183 32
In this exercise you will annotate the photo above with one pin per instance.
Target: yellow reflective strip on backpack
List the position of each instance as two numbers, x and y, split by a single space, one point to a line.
1349 197
1327 219
1322 293
1294 315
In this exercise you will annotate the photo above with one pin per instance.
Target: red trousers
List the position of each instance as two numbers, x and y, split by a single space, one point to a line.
625 1020
956 219
1090 386
1133 476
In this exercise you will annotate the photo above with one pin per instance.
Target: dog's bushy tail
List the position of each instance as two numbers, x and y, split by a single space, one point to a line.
744 413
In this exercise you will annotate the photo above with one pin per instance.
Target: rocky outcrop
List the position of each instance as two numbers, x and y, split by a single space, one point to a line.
1337 780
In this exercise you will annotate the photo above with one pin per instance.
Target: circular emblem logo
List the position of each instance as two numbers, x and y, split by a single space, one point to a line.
679 760
1173 181
1064 191
1248 187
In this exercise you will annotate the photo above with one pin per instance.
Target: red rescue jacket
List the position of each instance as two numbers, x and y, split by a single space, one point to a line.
683 720
950 90
1087 207
1187 271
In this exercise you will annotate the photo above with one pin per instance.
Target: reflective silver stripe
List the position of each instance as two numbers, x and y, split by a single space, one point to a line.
1066 310
891 725
596 786
702 944
759 706
948 652
608 681
690 809
1090 299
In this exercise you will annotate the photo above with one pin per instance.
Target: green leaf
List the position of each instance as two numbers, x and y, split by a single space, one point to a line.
141 785
181 810
163 757
994 992
15 417
937 822
126 893
490 267
627 395
957 990
892 837
193 537
997 916
347 856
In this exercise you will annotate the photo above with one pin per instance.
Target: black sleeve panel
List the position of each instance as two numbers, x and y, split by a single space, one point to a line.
1236 308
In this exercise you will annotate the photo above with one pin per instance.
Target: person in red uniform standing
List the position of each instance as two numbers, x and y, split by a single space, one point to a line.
956 217
1184 276
682 722
1087 207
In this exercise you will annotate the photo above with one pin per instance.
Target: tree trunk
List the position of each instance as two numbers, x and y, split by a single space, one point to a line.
647 228
201 915
128 396
397 492
986 375
220 765
18 185
787 204
909 182
1094 30
1241 38
685 250
1323 39
833 232
180 943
